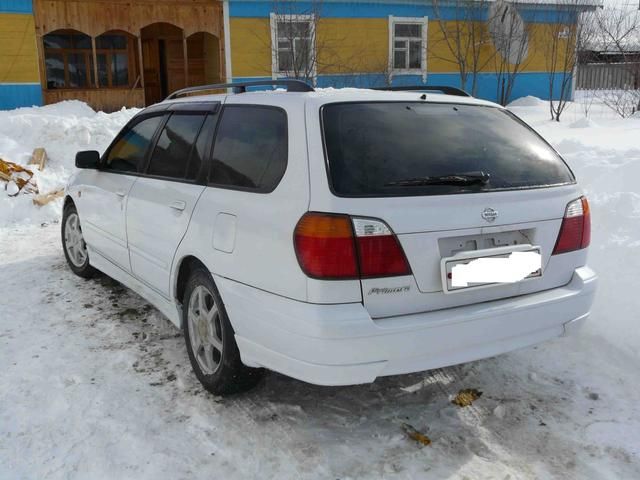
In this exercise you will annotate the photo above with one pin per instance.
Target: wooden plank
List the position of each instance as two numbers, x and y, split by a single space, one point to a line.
105 99
45 198
39 158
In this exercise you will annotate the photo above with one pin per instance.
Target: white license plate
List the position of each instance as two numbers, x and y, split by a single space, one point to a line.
485 268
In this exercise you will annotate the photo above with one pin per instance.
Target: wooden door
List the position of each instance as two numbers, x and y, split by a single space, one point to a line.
152 73
174 61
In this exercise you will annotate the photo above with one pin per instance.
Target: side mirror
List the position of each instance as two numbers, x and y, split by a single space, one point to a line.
88 159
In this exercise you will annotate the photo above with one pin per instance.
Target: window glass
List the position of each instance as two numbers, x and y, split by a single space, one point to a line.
387 149
199 153
415 55
55 70
111 42
77 70
407 46
408 30
399 59
295 44
128 153
113 52
171 154
68 60
251 148
119 69
103 74
53 40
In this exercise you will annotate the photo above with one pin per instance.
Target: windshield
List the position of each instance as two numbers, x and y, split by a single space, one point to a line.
384 149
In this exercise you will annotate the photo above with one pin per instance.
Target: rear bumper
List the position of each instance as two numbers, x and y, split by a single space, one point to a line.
342 345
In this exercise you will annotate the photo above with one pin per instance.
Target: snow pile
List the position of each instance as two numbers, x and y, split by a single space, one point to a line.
583 123
527 101
62 129
605 157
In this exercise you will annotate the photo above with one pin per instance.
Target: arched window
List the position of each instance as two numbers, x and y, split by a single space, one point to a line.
68 59
116 58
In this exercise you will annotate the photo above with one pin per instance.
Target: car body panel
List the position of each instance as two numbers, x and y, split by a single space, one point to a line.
337 332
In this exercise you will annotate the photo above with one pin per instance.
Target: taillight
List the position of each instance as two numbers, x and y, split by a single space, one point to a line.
325 246
575 231
332 246
379 251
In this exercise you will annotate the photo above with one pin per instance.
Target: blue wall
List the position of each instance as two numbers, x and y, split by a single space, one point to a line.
16 6
14 95
374 9
526 83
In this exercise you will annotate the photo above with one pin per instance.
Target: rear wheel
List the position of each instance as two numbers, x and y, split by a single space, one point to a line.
209 336
73 244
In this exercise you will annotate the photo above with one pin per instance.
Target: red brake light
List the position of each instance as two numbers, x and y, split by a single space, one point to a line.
379 250
575 231
339 247
325 246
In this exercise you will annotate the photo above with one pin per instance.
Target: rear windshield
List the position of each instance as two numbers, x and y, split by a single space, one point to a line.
373 147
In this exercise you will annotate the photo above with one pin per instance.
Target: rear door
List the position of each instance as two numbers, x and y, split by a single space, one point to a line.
104 198
162 201
418 167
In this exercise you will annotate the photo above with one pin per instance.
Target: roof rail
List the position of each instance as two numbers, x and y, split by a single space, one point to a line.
421 88
241 87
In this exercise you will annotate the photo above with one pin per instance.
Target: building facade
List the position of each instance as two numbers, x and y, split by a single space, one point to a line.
135 52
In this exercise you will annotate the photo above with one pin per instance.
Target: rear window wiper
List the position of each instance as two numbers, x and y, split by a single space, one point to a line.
471 178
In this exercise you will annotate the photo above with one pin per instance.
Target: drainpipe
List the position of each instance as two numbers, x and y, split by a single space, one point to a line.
227 42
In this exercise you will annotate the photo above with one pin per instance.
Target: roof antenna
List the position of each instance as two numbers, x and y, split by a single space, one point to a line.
423 96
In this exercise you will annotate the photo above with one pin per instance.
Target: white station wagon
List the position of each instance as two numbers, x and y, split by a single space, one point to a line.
335 236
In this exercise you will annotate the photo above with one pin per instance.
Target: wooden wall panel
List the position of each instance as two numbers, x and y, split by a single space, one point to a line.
95 17
107 100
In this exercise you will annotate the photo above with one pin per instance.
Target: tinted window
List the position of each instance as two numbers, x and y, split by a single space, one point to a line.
175 144
200 152
251 148
370 146
127 154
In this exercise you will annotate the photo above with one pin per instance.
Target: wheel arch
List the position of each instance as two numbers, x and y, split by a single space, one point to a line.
68 201
186 265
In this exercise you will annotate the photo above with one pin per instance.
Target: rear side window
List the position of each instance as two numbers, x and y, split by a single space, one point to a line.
250 151
394 149
175 146
129 151
200 151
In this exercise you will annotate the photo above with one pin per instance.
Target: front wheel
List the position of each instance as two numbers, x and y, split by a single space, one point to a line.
210 339
73 244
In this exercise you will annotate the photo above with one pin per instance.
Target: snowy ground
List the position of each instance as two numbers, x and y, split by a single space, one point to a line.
95 383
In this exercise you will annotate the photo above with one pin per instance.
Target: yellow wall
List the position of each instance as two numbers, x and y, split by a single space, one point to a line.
250 47
18 54
361 45
352 45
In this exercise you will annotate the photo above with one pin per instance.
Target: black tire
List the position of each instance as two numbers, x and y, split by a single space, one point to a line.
230 374
81 268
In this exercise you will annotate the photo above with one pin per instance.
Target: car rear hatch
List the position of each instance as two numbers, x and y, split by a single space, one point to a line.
449 180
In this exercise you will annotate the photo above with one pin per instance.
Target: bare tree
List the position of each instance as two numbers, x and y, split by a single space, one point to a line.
618 33
293 39
510 35
302 46
466 39
569 32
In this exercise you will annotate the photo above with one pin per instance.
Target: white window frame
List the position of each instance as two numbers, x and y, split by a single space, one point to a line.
274 19
424 21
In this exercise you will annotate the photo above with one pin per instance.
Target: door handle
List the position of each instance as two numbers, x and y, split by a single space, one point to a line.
178 205
121 193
